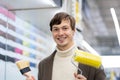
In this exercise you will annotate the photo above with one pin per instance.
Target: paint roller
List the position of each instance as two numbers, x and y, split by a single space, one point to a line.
24 68
86 58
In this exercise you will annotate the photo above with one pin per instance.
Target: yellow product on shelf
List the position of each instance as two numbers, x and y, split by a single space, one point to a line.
87 58
25 43
25 53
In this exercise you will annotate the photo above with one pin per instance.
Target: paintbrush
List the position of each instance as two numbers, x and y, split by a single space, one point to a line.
24 68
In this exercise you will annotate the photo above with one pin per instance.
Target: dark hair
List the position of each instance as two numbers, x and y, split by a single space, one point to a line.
57 19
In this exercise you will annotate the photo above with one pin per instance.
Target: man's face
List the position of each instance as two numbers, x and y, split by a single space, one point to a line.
63 34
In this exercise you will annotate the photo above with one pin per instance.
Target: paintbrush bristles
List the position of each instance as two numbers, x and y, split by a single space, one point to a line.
22 64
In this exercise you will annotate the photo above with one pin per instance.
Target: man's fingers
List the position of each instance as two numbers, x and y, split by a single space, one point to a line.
30 78
75 74
79 76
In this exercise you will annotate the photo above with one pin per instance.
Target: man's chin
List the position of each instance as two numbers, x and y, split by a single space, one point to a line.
62 44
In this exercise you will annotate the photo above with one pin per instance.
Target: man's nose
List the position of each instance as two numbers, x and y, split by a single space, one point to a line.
61 32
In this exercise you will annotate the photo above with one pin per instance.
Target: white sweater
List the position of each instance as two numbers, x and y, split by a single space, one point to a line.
63 69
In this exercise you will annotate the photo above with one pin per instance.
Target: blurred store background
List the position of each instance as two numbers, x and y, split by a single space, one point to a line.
25 34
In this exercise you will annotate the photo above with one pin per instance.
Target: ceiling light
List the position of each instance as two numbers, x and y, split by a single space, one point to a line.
116 23
50 2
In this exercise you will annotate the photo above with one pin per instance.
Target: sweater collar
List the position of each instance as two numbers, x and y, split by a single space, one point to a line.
67 52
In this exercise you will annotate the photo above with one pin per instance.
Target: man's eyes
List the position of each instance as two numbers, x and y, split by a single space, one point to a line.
65 28
55 29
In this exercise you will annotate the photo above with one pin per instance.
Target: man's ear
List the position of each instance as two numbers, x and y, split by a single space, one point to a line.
74 31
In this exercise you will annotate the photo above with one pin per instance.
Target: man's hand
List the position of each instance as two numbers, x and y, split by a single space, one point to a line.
30 78
79 77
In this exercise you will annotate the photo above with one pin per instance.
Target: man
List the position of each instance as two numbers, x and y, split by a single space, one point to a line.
58 65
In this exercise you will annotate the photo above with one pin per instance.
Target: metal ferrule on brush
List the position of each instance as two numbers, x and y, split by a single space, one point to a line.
24 70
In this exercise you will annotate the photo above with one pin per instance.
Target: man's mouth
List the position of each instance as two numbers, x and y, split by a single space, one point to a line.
61 39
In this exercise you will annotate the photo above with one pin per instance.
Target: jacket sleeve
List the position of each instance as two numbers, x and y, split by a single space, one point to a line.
92 73
100 74
39 71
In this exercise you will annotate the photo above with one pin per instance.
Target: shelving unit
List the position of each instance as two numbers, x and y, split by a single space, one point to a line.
20 40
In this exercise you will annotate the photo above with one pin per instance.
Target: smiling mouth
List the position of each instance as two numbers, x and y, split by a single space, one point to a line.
61 39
